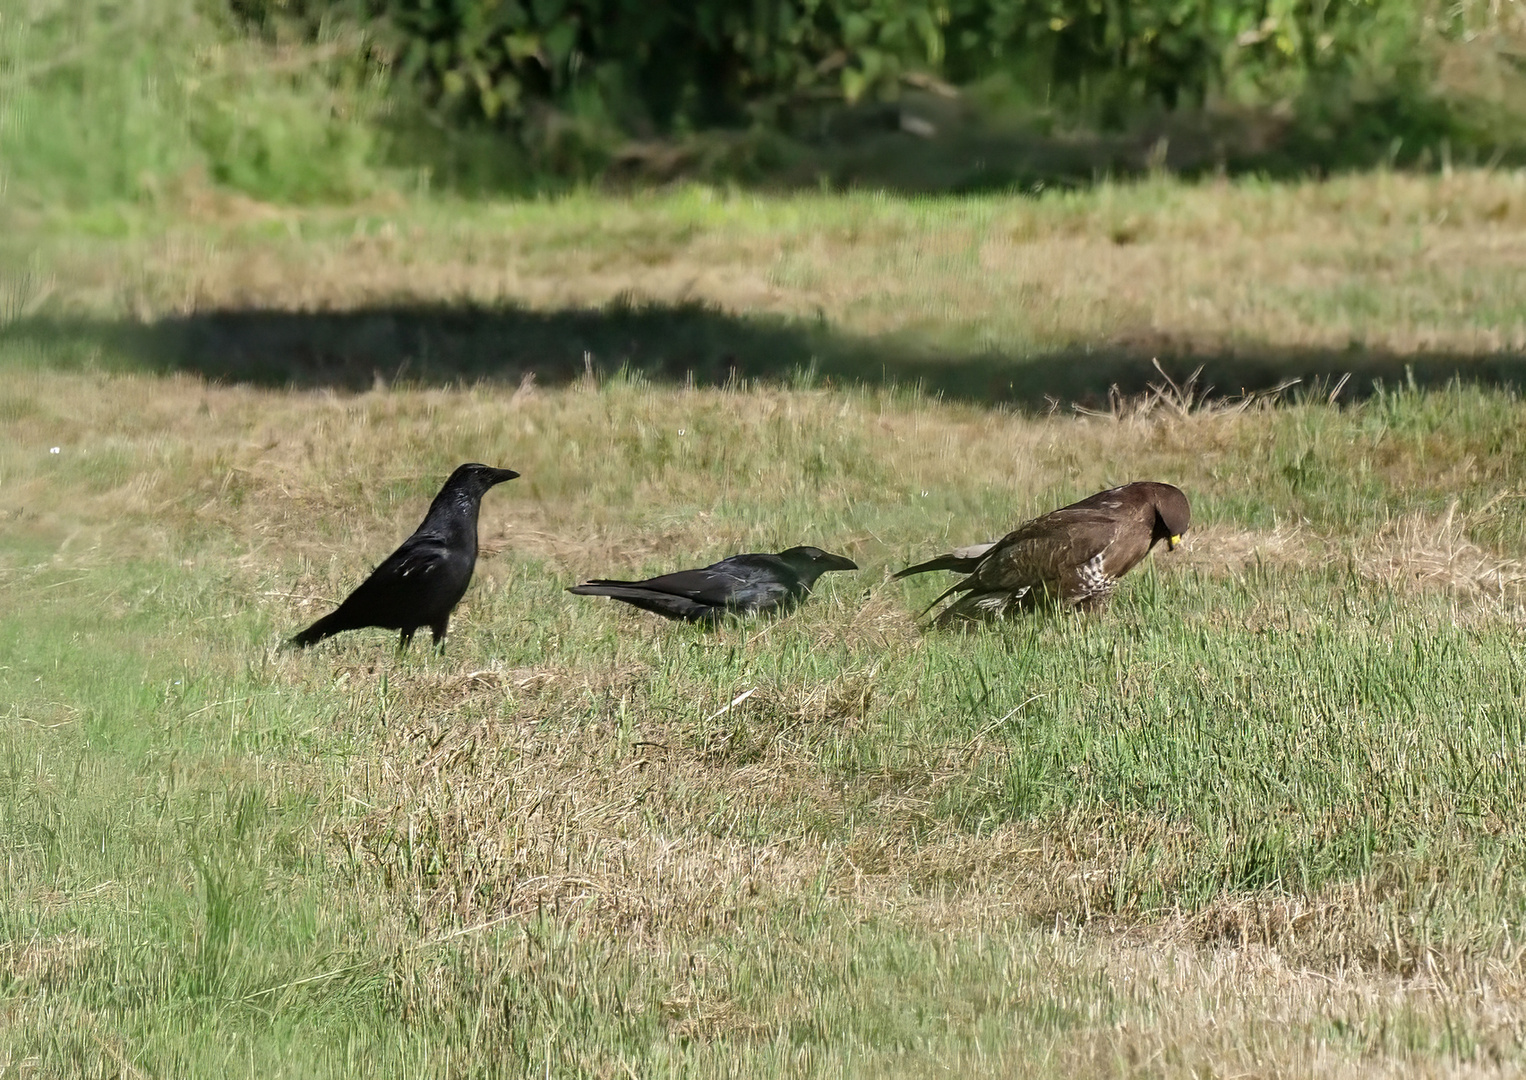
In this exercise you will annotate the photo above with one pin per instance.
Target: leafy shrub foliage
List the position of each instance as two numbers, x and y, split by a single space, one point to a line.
326 99
667 65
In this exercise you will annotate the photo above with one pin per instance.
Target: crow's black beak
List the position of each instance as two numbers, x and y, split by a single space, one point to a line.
500 475
837 562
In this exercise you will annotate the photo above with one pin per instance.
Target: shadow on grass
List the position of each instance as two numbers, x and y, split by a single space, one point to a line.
690 343
942 141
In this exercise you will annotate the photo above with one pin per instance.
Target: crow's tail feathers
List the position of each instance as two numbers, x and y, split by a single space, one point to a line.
659 603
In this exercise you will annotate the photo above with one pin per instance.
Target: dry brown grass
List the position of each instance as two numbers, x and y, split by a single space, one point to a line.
1432 553
516 819
265 448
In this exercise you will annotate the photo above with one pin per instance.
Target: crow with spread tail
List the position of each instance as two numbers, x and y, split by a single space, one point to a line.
1072 557
741 585
421 582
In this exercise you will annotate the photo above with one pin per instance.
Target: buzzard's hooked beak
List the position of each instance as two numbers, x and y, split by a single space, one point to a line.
1173 542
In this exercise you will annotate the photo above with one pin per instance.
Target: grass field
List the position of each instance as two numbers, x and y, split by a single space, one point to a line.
1263 818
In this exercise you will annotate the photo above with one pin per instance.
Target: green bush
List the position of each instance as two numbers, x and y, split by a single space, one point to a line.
305 99
666 66
1170 52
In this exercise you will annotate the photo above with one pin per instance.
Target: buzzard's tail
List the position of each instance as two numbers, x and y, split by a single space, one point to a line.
942 562
980 606
959 586
960 560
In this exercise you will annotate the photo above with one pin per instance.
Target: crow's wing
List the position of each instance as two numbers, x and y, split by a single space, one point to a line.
422 574
409 588
742 583
416 563
726 582
701 586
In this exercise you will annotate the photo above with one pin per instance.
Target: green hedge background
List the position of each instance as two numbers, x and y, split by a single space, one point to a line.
676 65
315 99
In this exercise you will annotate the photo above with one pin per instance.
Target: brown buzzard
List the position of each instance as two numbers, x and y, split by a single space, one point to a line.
1073 556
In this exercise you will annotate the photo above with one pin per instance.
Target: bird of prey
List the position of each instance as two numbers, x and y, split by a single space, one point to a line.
740 585
421 582
1073 556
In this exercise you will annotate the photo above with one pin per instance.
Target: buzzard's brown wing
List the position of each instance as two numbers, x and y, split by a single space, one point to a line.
1073 556
1058 557
1052 554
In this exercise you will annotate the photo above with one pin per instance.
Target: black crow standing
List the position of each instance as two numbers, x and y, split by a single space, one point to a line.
421 582
740 585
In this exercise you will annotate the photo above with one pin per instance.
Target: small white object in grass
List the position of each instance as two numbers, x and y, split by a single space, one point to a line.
54 450
724 709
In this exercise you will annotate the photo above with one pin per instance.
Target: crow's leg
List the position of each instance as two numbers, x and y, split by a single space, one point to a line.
438 630
405 638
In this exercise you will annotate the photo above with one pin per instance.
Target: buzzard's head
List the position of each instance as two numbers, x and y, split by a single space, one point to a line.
1172 514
